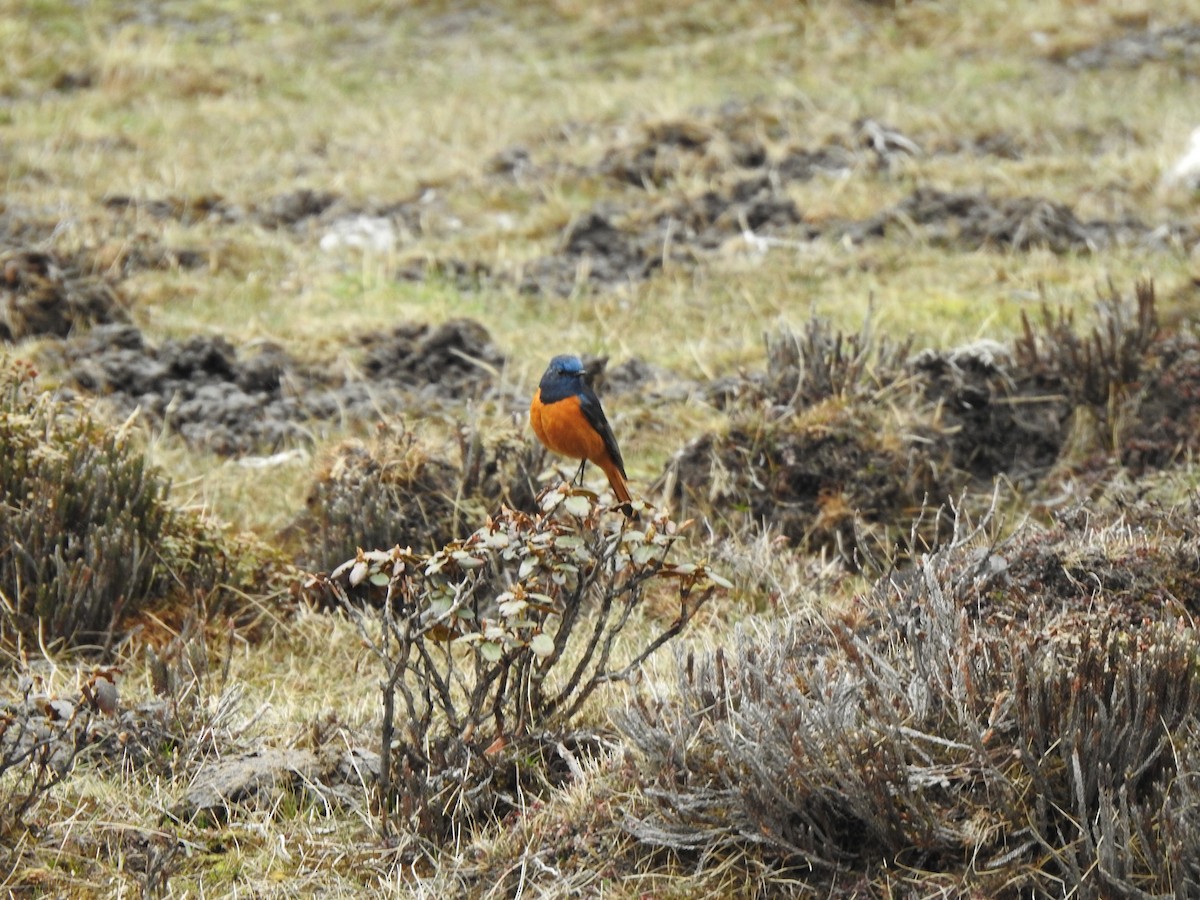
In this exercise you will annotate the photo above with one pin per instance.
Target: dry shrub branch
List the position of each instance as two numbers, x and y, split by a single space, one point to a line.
490 647
1097 368
926 741
818 363
40 738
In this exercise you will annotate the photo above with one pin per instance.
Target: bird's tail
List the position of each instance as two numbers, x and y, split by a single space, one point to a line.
617 482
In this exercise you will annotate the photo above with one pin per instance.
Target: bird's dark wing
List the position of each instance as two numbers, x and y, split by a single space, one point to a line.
589 403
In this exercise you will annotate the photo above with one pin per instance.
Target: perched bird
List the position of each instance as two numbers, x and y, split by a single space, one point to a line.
567 417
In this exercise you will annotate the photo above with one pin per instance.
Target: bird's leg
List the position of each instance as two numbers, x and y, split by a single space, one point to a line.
578 479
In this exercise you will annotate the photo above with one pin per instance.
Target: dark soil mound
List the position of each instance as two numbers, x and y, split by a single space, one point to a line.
234 403
198 387
456 359
46 293
974 220
594 251
830 486
846 435
994 420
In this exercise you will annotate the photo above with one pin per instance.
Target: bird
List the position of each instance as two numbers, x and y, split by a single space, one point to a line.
567 417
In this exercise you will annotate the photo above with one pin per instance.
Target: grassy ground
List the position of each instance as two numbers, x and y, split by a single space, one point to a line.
203 104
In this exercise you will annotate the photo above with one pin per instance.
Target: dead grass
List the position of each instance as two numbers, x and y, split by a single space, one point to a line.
233 108
403 101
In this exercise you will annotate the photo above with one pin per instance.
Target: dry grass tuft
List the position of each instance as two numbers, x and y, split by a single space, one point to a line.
938 740
397 491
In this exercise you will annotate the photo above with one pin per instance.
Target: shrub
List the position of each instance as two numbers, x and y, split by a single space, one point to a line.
40 737
1006 760
813 364
88 538
394 490
491 646
84 515
1097 369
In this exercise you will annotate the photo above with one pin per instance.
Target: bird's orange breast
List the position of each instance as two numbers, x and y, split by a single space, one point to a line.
563 428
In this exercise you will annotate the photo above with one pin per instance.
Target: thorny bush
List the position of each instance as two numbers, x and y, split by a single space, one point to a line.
491 646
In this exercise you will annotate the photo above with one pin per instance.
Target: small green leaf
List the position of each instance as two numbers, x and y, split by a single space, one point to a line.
577 505
528 564
358 573
542 645
719 580
510 608
643 553
490 651
380 579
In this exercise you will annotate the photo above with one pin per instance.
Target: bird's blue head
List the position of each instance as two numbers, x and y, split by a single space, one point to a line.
566 364
563 378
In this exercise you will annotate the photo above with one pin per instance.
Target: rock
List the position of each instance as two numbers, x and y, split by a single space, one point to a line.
261 777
